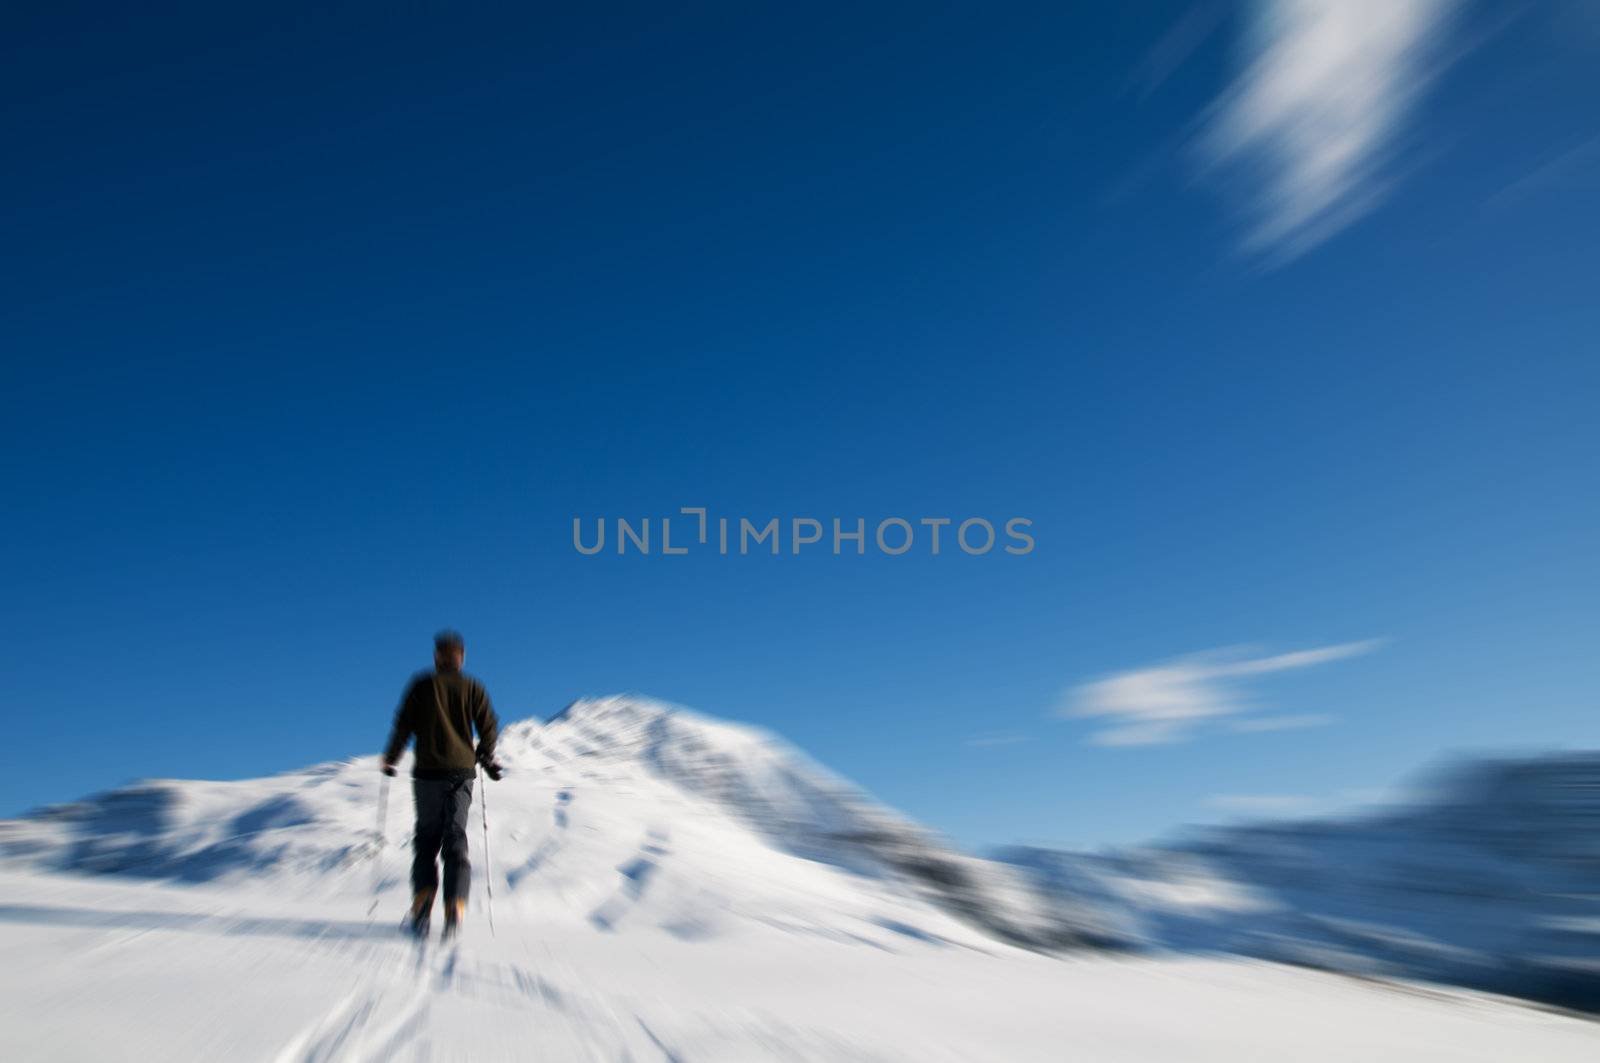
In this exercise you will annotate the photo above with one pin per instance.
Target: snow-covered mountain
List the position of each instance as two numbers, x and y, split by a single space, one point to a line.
664 886
733 801
1491 881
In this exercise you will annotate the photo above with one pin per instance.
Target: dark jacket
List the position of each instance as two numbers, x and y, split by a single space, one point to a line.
441 709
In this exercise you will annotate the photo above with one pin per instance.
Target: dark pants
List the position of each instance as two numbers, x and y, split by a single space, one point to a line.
441 828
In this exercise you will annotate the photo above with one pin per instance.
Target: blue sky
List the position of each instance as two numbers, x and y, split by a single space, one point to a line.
321 328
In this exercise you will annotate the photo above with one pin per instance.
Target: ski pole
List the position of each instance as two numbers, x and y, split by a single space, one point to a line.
377 855
488 868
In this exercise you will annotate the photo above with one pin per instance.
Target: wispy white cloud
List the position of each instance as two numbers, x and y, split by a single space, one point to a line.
1168 702
1002 739
1312 122
1285 722
1264 804
1340 803
1574 170
1176 45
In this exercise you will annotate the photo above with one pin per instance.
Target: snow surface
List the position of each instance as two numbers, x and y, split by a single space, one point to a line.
664 887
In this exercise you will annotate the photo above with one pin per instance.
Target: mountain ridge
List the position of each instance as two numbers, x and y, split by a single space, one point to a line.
1492 882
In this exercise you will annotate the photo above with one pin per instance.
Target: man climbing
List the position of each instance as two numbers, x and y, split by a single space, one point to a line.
442 708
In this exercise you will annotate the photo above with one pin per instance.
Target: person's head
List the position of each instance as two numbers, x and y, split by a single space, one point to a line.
449 651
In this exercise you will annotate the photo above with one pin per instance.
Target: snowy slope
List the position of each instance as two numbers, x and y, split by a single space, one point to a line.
698 817
665 886
1492 882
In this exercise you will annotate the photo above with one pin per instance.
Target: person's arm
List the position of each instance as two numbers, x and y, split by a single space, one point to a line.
401 733
488 726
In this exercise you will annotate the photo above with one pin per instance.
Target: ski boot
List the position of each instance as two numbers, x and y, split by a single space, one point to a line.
453 911
421 914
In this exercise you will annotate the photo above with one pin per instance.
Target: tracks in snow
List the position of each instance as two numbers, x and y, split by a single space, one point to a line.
376 1020
405 1010
637 873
